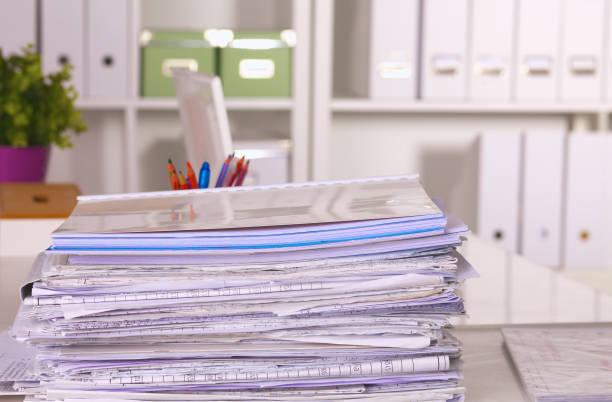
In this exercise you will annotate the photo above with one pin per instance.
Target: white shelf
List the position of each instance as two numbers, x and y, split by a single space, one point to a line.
101 104
230 103
357 105
172 104
350 105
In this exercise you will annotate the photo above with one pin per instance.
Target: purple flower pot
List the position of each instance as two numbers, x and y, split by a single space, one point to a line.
23 164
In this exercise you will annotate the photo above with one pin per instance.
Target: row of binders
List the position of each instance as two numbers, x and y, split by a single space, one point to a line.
504 50
547 195
100 64
310 291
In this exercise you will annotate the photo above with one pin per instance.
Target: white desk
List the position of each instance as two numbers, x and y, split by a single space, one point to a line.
511 290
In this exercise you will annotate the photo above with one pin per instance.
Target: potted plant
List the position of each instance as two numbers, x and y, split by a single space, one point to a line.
35 112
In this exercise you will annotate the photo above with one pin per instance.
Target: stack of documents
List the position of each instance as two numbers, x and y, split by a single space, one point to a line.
310 291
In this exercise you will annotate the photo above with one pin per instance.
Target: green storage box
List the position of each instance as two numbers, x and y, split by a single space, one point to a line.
164 50
257 64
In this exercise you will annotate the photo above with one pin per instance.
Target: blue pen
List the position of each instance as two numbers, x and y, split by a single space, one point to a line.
204 175
223 171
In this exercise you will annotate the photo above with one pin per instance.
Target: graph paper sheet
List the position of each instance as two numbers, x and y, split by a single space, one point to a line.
563 364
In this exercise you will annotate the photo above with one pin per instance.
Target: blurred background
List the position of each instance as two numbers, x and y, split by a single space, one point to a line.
503 106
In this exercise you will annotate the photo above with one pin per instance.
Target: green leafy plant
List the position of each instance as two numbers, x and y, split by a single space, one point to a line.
36 110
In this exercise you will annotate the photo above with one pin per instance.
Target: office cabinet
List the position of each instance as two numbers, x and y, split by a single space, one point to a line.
62 30
537 64
444 49
587 234
107 49
582 50
17 25
498 188
543 162
491 49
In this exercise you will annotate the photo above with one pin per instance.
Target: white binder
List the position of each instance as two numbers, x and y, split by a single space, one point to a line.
17 25
587 235
543 162
492 44
582 50
607 63
62 36
376 48
107 52
393 47
537 64
444 49
498 188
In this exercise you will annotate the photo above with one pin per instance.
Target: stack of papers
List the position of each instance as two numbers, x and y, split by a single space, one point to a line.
311 291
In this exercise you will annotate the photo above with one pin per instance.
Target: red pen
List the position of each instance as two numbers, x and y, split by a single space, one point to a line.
236 172
243 173
182 182
171 171
174 181
191 177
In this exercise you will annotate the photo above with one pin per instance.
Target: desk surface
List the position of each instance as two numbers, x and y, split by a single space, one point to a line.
511 290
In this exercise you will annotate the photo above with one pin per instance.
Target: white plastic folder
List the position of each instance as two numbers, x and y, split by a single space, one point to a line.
247 207
563 364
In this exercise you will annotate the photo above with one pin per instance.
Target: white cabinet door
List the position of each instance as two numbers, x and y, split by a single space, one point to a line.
444 44
587 236
543 162
498 188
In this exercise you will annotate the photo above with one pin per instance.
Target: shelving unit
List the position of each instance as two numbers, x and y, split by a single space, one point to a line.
135 111
318 122
339 121
355 105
